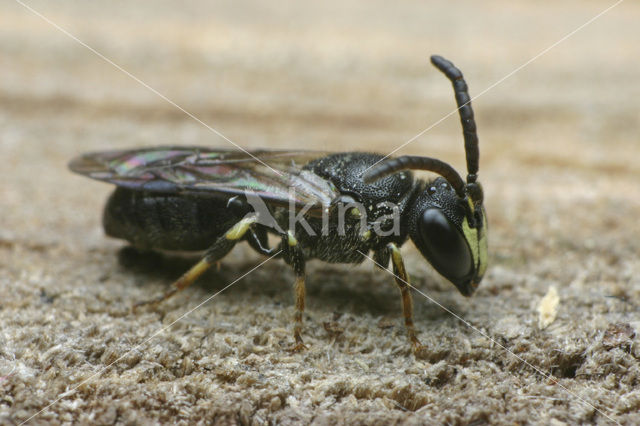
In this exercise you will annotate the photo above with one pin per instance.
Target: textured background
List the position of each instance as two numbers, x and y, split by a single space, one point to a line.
559 163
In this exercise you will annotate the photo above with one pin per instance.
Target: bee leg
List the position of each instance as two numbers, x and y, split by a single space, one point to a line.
402 280
219 249
381 258
294 257
259 241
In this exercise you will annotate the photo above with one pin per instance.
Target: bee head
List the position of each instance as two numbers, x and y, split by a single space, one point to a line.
447 221
451 233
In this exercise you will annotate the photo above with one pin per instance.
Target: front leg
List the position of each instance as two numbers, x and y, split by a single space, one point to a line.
294 257
402 281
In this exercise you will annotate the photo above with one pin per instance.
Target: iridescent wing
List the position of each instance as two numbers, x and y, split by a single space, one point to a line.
174 169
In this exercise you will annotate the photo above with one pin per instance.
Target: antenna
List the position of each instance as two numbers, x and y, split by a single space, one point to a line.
473 189
466 114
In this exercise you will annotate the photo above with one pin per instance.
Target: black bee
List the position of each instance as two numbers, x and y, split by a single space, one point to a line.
336 207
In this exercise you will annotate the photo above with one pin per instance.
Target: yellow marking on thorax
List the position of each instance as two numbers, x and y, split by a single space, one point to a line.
291 240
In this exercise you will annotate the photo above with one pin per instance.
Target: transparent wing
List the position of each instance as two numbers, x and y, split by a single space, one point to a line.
175 169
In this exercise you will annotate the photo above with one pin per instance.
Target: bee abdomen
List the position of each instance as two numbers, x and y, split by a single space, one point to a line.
166 221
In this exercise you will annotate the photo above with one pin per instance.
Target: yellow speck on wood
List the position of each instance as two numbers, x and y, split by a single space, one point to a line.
548 308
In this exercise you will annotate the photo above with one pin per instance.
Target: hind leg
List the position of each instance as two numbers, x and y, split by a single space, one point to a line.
218 250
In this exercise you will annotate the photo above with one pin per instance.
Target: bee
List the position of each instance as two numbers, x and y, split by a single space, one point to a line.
335 207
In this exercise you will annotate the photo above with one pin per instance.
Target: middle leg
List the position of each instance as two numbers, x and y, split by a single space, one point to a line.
402 281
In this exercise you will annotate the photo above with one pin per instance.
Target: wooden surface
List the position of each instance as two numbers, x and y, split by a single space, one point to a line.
559 164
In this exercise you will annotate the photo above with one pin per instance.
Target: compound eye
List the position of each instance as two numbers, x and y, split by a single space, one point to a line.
445 246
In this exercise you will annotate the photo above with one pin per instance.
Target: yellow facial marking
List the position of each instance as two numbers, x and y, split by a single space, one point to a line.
471 235
483 250
471 205
477 240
